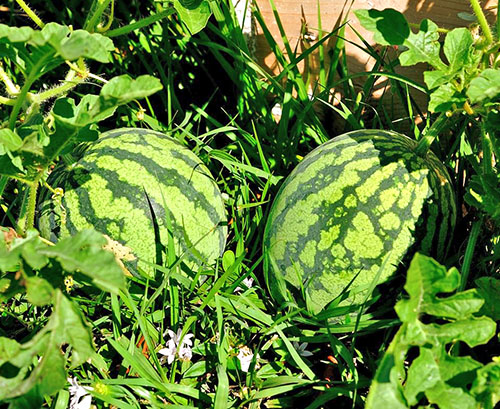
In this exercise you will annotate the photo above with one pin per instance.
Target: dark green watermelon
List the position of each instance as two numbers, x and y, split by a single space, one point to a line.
362 198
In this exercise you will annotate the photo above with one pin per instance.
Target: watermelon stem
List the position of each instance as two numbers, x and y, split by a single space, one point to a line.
431 134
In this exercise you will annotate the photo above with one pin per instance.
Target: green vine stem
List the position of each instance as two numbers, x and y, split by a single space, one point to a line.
478 11
32 195
31 14
430 135
141 23
92 23
487 145
71 81
32 77
11 88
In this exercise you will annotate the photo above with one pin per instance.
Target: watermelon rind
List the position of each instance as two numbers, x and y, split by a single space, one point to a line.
351 211
132 184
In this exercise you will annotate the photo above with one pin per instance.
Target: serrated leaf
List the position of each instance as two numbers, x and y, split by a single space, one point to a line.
458 48
193 13
441 377
64 327
389 26
485 87
83 253
423 46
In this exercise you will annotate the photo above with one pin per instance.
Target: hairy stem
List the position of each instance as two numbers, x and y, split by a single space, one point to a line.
31 14
478 11
32 195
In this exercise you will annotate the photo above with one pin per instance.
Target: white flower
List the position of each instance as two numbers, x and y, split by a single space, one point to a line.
79 395
183 350
301 349
245 355
248 282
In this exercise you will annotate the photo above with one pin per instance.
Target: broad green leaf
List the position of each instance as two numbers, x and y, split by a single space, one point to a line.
73 330
444 97
449 397
194 13
9 140
436 374
423 46
485 87
83 44
15 34
74 116
458 48
423 374
83 253
39 291
486 385
436 78
64 327
123 89
389 26
489 290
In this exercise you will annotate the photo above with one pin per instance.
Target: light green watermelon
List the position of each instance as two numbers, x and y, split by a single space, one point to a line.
124 178
361 201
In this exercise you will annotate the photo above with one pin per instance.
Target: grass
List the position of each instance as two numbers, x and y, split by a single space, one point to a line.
218 101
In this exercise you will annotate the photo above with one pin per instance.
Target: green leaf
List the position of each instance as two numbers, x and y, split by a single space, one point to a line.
64 327
436 374
458 48
123 89
194 13
83 253
83 44
422 375
489 290
436 78
486 385
39 291
423 46
444 97
485 87
9 140
389 26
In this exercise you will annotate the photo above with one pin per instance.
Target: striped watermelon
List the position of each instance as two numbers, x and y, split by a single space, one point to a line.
122 179
352 202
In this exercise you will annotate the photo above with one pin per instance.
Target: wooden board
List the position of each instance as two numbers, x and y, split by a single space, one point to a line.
293 13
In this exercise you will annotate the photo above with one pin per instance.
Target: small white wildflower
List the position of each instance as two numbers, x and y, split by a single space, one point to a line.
182 349
276 111
301 349
245 355
79 395
248 282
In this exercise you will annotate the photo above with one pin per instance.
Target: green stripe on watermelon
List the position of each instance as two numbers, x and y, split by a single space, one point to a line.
349 204
124 176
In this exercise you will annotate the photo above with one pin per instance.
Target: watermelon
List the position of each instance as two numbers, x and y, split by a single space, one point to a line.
355 207
135 185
